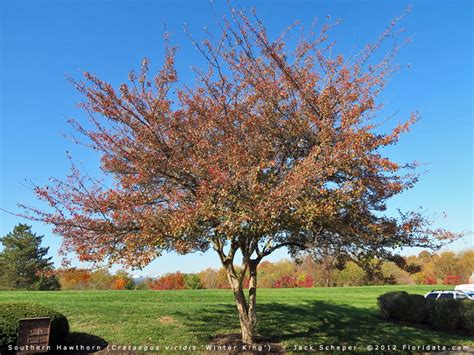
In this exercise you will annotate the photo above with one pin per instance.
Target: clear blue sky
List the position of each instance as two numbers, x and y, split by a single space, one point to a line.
42 41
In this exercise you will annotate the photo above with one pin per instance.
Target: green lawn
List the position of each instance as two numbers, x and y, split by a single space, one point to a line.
287 316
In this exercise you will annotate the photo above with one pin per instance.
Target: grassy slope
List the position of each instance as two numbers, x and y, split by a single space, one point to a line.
288 316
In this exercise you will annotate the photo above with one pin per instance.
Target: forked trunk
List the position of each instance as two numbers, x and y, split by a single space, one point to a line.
253 294
247 312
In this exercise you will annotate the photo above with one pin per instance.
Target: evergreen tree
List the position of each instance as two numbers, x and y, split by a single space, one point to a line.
23 262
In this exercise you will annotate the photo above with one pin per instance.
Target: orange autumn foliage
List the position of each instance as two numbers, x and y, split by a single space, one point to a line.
119 284
74 279
174 281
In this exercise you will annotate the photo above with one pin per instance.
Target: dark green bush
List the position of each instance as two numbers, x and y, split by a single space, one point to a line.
402 306
467 313
388 303
446 314
417 309
11 312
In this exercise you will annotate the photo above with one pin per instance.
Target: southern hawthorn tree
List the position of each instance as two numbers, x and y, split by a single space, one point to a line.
274 147
23 262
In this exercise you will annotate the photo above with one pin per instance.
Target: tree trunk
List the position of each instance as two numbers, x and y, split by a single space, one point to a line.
247 314
253 294
328 279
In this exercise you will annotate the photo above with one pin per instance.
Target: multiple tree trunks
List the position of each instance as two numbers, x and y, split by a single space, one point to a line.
246 310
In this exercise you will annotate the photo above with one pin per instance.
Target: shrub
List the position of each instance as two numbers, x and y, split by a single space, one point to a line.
467 316
389 303
304 281
289 281
445 314
430 280
285 282
11 312
417 309
452 280
399 305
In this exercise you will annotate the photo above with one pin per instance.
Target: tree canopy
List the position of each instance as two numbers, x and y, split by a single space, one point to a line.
275 146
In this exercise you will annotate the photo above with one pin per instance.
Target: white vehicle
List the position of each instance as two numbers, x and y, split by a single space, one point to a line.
443 295
465 288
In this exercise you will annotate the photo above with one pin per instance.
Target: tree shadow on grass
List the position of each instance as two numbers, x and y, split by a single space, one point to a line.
80 343
317 322
328 323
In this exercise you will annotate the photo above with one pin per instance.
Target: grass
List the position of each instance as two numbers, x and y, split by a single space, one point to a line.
287 316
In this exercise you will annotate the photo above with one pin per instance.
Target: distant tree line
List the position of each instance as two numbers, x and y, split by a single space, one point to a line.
447 268
101 279
24 265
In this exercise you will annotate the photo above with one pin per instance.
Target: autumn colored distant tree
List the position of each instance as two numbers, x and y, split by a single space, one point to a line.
447 264
269 273
426 257
452 280
329 260
430 280
265 274
100 279
466 264
123 281
351 275
275 146
211 278
74 279
119 284
292 281
286 281
172 281
303 280
391 271
425 260
207 278
222 281
443 266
